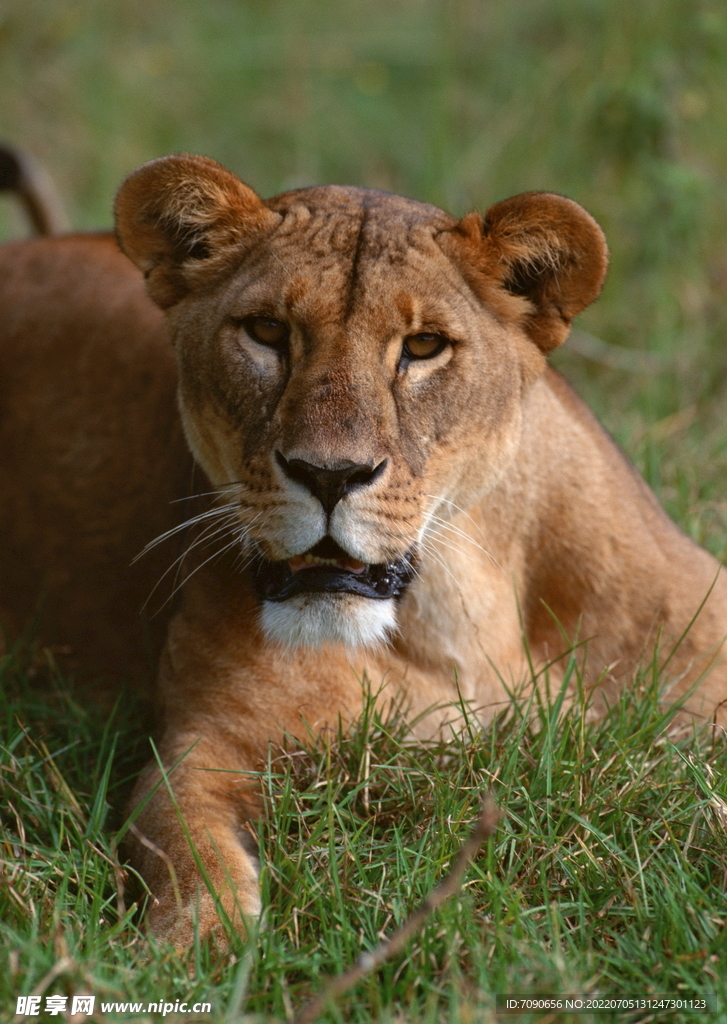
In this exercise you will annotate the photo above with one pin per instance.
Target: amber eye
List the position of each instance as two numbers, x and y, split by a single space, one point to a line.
266 330
423 346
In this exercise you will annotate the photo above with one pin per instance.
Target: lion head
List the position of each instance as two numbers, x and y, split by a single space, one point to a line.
353 368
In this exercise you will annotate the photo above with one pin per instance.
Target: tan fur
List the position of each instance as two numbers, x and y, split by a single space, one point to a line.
528 524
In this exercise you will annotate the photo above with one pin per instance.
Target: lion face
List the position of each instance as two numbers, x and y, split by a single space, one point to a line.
353 368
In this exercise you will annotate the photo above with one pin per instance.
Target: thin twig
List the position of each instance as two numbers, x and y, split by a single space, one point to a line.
370 961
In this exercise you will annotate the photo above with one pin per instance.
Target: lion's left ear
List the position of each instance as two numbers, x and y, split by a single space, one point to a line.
538 247
184 220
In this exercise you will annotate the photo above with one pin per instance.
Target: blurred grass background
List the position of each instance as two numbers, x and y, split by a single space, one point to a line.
620 105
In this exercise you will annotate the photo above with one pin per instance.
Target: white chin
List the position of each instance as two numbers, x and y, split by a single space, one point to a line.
314 620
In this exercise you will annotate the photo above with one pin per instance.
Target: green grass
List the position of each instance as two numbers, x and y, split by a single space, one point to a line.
608 871
606 875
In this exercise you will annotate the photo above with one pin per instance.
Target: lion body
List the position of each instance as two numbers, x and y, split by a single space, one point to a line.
502 524
93 453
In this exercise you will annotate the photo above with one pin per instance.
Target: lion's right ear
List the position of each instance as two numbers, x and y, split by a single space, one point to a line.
184 220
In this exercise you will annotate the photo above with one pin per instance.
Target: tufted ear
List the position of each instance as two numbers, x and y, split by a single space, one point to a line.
184 221
544 254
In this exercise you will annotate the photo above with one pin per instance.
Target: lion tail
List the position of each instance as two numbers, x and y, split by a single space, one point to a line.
21 175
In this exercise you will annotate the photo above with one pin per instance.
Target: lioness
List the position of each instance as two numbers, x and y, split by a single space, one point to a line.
397 484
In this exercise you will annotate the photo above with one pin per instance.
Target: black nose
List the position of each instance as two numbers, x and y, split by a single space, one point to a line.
330 485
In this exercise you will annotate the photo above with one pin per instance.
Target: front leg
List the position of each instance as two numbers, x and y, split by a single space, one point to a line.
191 842
227 698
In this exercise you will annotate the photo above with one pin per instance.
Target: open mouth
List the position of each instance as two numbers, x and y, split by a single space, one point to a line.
327 568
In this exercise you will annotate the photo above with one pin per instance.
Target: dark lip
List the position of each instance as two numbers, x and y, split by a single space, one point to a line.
275 581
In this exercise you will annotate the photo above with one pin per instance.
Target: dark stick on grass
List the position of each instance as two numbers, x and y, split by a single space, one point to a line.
370 961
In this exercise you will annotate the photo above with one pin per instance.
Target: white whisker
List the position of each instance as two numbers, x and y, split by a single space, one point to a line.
427 549
457 508
209 514
215 554
248 547
440 523
211 531
222 489
226 523
443 524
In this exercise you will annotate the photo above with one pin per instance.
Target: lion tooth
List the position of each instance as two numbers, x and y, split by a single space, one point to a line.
304 561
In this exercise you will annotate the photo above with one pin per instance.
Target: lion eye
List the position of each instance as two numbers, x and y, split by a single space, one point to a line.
266 330
423 346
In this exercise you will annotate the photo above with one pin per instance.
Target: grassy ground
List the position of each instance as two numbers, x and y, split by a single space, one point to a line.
606 876
608 872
